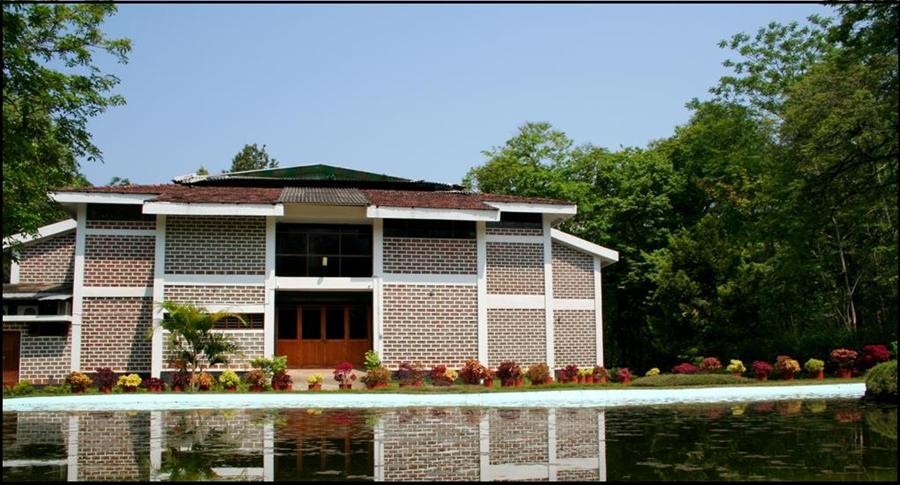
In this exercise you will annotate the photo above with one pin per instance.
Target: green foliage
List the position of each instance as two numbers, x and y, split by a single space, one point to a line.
21 388
675 380
202 171
252 157
881 382
372 360
51 88
275 365
119 181
229 378
814 365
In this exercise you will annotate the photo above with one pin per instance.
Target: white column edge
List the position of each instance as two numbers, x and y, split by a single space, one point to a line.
481 282
598 310
78 287
13 267
378 287
548 293
159 267
269 299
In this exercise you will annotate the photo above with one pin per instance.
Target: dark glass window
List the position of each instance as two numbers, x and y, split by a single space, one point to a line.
518 219
287 322
312 322
334 322
48 329
429 228
118 212
251 321
323 250
359 322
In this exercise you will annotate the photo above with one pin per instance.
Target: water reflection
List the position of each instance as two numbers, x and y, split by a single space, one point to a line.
773 440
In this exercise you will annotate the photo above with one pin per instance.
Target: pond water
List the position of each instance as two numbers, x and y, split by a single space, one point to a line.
768 440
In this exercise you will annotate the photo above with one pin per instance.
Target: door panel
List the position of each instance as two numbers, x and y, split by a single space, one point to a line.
11 358
323 335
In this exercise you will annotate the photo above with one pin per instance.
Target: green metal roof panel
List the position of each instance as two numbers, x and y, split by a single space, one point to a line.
313 172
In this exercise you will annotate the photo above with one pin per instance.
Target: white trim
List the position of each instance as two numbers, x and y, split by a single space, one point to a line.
601 445
72 448
383 212
481 281
42 296
36 318
378 288
156 441
573 304
13 268
42 232
34 462
430 279
323 283
100 198
237 309
269 450
551 443
378 432
598 309
118 291
208 209
504 238
78 287
568 209
271 284
516 301
607 255
120 232
159 291
484 448
548 292
214 280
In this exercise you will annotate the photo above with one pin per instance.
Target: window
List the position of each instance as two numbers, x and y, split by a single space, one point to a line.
287 323
518 219
48 329
323 250
312 322
334 322
359 322
118 212
252 321
429 228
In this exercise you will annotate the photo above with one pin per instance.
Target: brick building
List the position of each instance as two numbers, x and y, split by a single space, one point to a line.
323 262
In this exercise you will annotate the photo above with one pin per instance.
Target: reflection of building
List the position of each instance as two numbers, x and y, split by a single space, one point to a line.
403 444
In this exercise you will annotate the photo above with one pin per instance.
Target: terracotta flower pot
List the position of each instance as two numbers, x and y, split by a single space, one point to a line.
626 380
129 389
548 380
787 375
520 381
488 383
314 387
762 377
844 373
231 388
177 388
589 379
603 380
820 375
105 389
255 388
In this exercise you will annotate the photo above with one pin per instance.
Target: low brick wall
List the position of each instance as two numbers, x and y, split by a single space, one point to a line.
42 360
427 255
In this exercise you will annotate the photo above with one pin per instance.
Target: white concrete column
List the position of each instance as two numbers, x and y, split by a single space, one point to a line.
159 270
552 465
269 299
13 267
378 286
156 439
269 451
598 309
72 450
379 451
484 446
548 292
481 281
78 286
601 431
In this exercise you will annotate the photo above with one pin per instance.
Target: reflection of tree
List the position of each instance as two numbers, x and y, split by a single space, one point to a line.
193 448
883 422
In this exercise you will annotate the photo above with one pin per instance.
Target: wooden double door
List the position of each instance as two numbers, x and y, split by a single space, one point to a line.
11 358
323 334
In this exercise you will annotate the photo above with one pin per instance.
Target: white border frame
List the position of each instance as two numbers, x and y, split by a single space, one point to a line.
606 255
100 197
210 209
382 212
43 232
78 288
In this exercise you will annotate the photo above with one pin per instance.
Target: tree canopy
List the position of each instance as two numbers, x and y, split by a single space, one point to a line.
252 157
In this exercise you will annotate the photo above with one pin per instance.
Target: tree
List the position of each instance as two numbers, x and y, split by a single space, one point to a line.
45 110
202 171
191 336
119 181
252 157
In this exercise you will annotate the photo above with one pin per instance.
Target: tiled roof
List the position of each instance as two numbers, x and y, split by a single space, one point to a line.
121 189
311 172
449 199
219 195
323 196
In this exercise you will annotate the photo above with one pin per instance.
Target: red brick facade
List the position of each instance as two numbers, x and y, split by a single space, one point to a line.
216 294
573 273
215 245
42 360
114 333
130 225
516 334
515 268
50 260
430 324
426 255
514 231
431 444
119 260
574 338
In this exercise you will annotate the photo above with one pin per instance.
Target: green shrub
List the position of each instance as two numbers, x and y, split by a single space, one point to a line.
373 361
22 388
229 378
881 382
675 380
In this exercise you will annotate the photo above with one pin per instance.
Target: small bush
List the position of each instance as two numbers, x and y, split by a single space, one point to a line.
256 377
410 374
131 380
229 378
736 366
814 365
881 382
78 381
105 377
761 368
181 379
652 372
675 380
600 373
441 376
205 381
784 363
509 372
710 365
472 372
281 381
623 374
378 375
873 355
685 368
21 388
372 360
538 373
844 358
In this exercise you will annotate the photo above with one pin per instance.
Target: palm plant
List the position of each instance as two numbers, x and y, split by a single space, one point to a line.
191 335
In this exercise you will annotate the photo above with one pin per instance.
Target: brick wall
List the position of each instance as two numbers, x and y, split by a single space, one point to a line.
215 245
431 324
576 433
250 346
573 273
518 436
427 255
40 428
114 446
241 430
574 334
114 333
431 444
515 268
119 260
514 231
42 360
143 225
216 295
50 260
516 334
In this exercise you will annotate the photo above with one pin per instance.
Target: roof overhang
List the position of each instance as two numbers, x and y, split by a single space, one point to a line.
42 232
382 212
100 198
607 256
568 209
210 209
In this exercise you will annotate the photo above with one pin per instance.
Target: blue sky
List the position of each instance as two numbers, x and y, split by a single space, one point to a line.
414 91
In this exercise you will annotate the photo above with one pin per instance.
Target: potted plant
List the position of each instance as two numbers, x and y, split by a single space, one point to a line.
229 380
685 368
376 378
472 372
410 374
509 373
256 379
282 381
601 375
205 381
129 383
314 382
761 369
736 367
787 366
570 372
154 384
372 360
538 374
488 379
710 365
872 355
441 376
844 358
816 368
344 375
181 380
652 372
106 379
624 375
78 382
586 375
